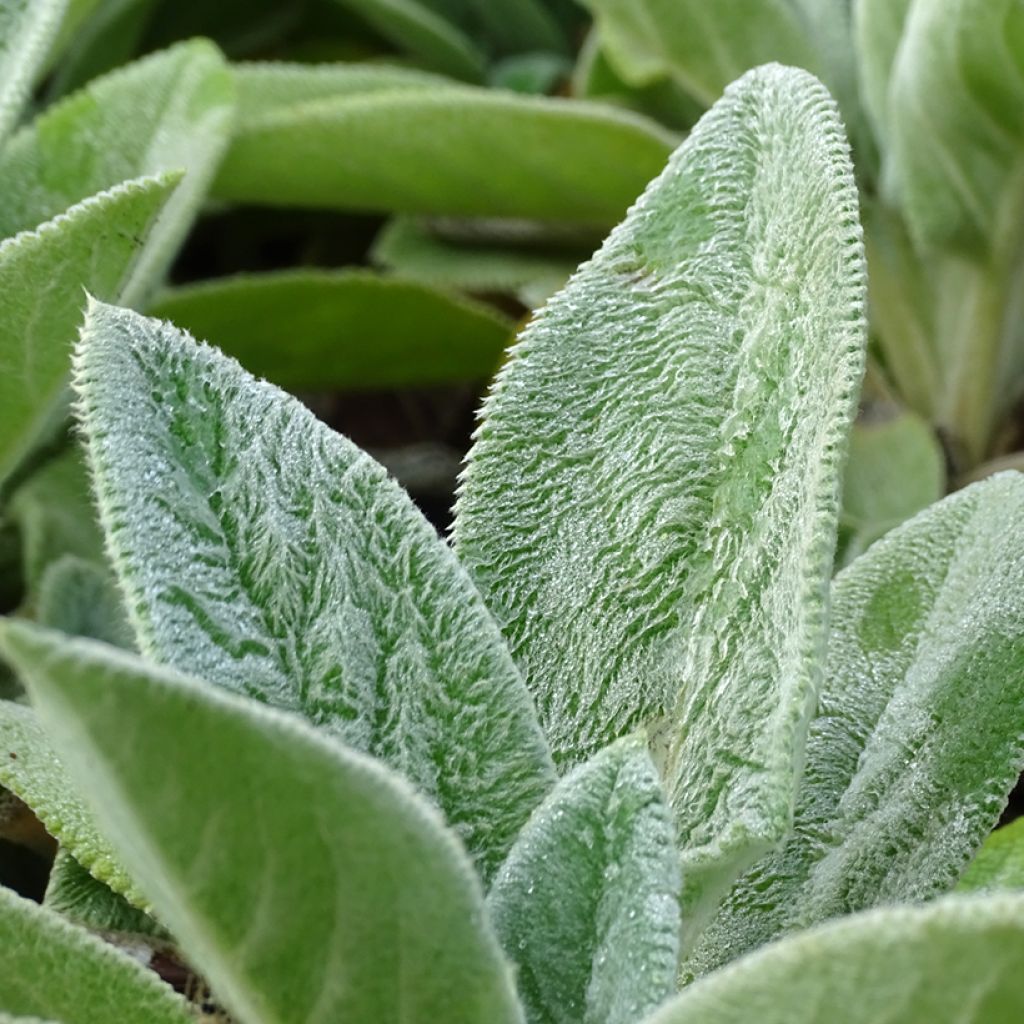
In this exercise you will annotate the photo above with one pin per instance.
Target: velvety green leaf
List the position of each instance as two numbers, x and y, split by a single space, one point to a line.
31 770
81 598
918 736
264 553
895 469
954 962
532 275
957 120
878 26
518 26
55 970
705 46
999 864
416 28
56 516
318 329
97 245
74 894
454 150
587 904
170 111
27 28
342 898
650 506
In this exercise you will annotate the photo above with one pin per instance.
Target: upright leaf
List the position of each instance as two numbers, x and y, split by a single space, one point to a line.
457 151
650 505
97 245
957 121
27 28
587 904
339 897
999 864
954 962
918 737
55 970
878 28
169 112
267 554
316 330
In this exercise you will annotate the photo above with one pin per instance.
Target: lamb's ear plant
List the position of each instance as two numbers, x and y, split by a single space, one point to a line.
329 778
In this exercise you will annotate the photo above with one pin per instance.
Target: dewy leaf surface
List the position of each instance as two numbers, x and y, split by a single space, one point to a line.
953 962
171 111
453 151
322 330
918 737
96 245
587 903
262 552
650 505
54 970
26 29
956 120
309 881
999 864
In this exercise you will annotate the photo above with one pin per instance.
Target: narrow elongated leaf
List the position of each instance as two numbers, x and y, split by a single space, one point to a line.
957 121
30 769
518 26
954 962
918 737
259 549
27 28
53 969
650 506
587 904
458 151
415 27
319 330
705 46
878 28
169 112
999 864
97 245
342 897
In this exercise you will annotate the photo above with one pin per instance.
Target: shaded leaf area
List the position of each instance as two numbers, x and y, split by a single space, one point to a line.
956 961
453 151
587 903
96 245
52 969
917 738
353 329
999 865
81 598
266 554
650 505
344 874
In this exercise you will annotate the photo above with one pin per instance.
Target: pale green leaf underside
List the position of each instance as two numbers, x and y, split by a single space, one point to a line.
650 505
26 29
587 903
324 330
918 737
408 247
954 962
30 769
956 119
413 26
309 881
171 111
895 469
54 970
999 864
262 552
96 246
453 151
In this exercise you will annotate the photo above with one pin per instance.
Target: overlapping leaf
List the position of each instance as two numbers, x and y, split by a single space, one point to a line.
999 864
309 881
268 555
27 28
320 330
650 506
918 737
586 904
